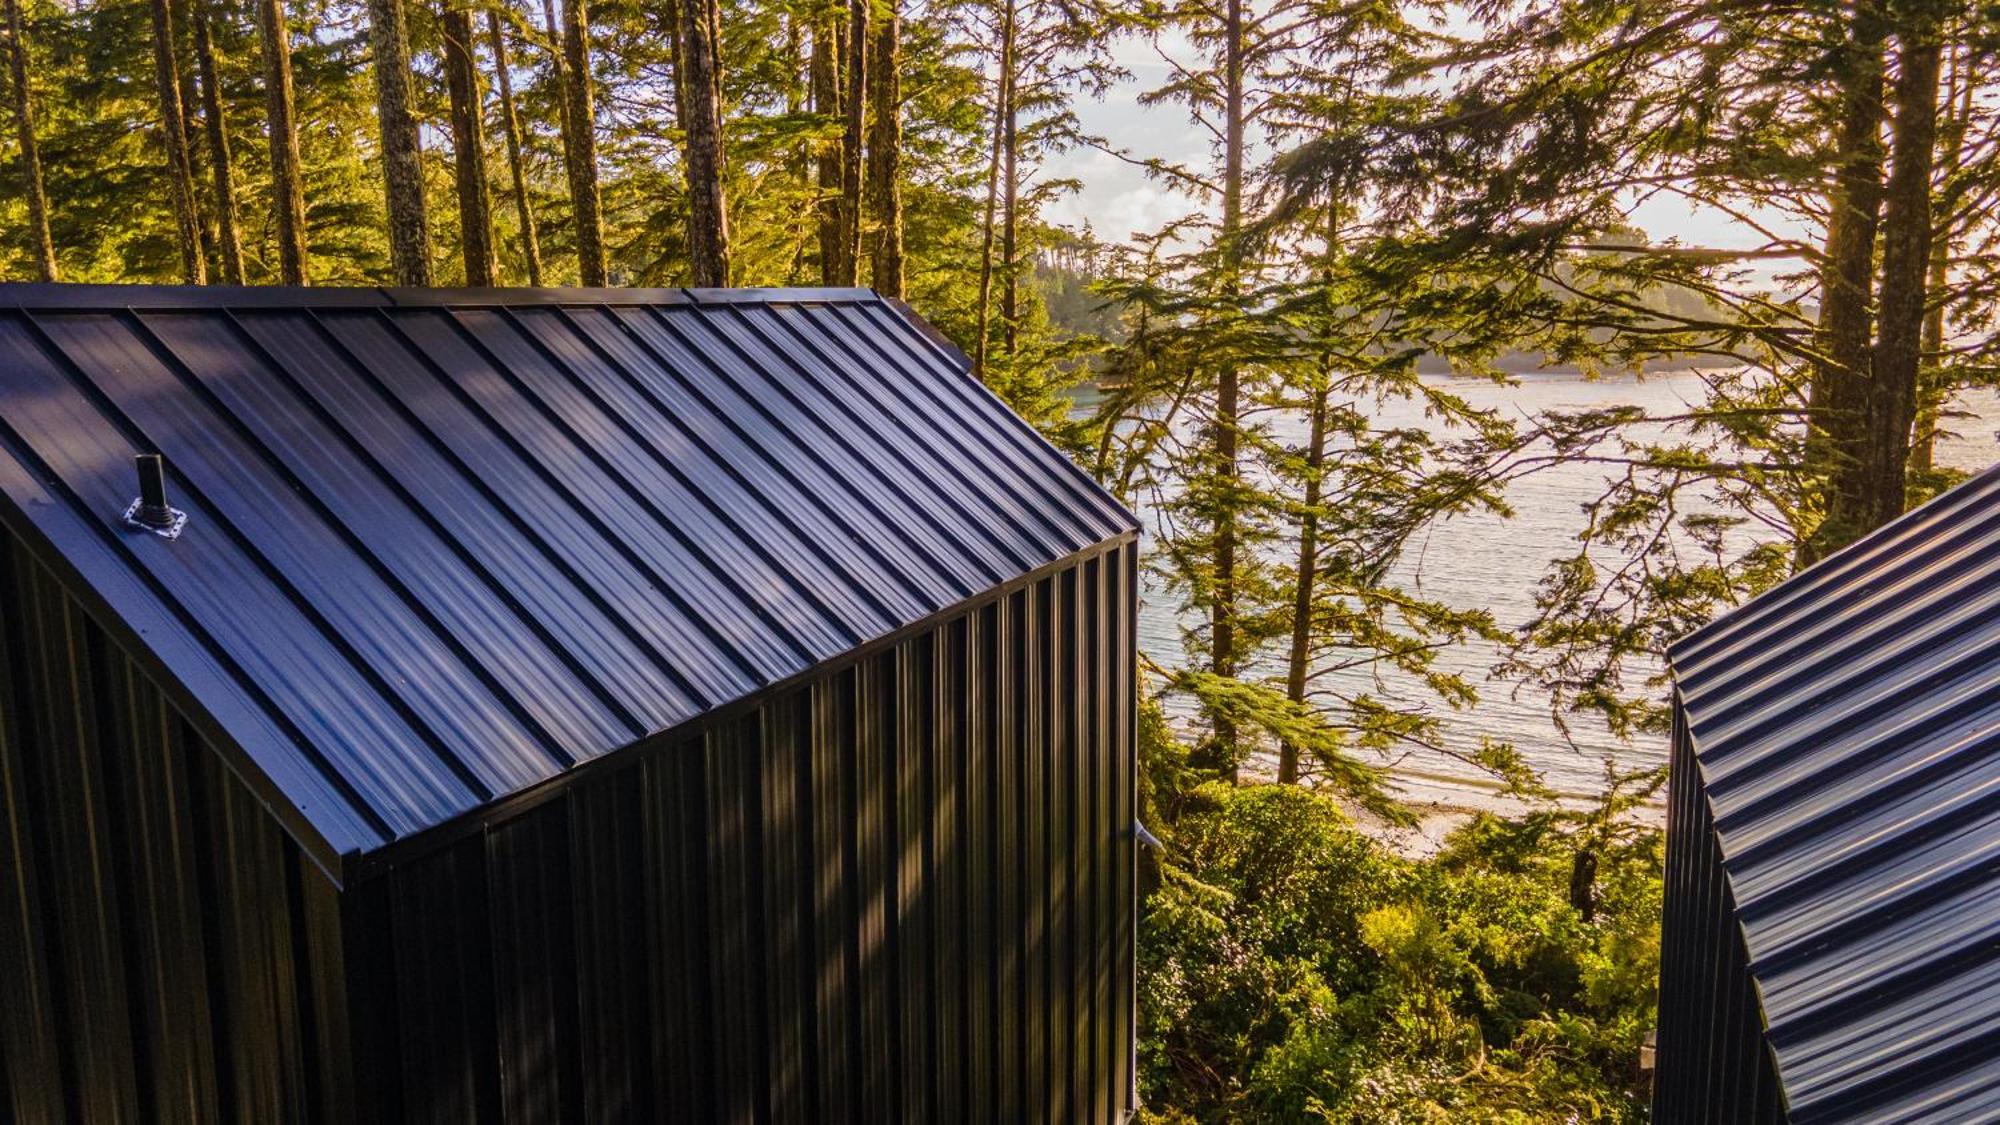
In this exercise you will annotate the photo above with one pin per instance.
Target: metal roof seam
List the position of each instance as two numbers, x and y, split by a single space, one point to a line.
920 530
697 691
1015 556
1049 533
1839 638
389 481
241 680
722 575
721 513
503 511
1856 556
316 503
757 502
824 559
930 585
908 533
245 545
1845 730
976 397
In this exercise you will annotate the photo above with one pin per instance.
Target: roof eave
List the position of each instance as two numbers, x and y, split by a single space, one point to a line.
334 861
364 865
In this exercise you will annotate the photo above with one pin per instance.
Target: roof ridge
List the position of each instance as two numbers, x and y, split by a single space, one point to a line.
91 295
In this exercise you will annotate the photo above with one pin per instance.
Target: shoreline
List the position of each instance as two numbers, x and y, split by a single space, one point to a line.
1443 803
1422 840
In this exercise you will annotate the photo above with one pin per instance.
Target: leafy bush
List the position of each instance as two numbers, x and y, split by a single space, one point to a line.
1294 968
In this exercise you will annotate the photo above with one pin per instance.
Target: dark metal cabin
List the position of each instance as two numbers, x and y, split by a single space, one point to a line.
556 705
1831 948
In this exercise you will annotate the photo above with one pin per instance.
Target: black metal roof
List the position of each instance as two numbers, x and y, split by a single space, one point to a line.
444 546
1847 728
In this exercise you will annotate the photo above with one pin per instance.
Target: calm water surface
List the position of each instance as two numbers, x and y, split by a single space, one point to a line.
1495 562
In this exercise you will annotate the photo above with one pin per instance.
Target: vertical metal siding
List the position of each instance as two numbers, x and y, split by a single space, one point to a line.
949 846
914 817
1032 639
1125 700
169 949
1009 659
614 977
534 1004
1713 1063
901 892
788 961
982 870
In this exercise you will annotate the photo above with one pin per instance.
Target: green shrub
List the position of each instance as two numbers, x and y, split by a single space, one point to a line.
1294 968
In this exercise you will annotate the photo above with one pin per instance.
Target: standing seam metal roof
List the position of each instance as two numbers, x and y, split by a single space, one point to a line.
1847 730
443 546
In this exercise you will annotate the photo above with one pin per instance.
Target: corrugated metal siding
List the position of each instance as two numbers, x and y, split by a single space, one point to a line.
1846 733
443 547
902 892
170 953
1712 1065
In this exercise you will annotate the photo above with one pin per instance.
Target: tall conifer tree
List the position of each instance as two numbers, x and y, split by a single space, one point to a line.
827 105
854 99
579 135
215 127
24 132
468 144
510 126
998 163
885 152
402 146
288 196
173 140
701 116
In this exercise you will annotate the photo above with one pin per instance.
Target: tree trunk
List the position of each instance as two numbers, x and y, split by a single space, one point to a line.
173 135
676 16
1583 884
1933 389
1840 378
885 150
402 147
1906 254
580 143
288 196
557 70
1003 96
510 124
851 152
1010 224
1308 568
229 242
797 88
468 144
1223 657
194 143
701 120
826 104
31 158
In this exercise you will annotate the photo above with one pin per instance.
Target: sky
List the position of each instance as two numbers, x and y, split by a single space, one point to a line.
1119 199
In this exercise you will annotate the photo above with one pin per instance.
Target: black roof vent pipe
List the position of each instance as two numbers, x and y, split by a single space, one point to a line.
151 510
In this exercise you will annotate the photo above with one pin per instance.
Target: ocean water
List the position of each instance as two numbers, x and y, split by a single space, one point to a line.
1496 562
